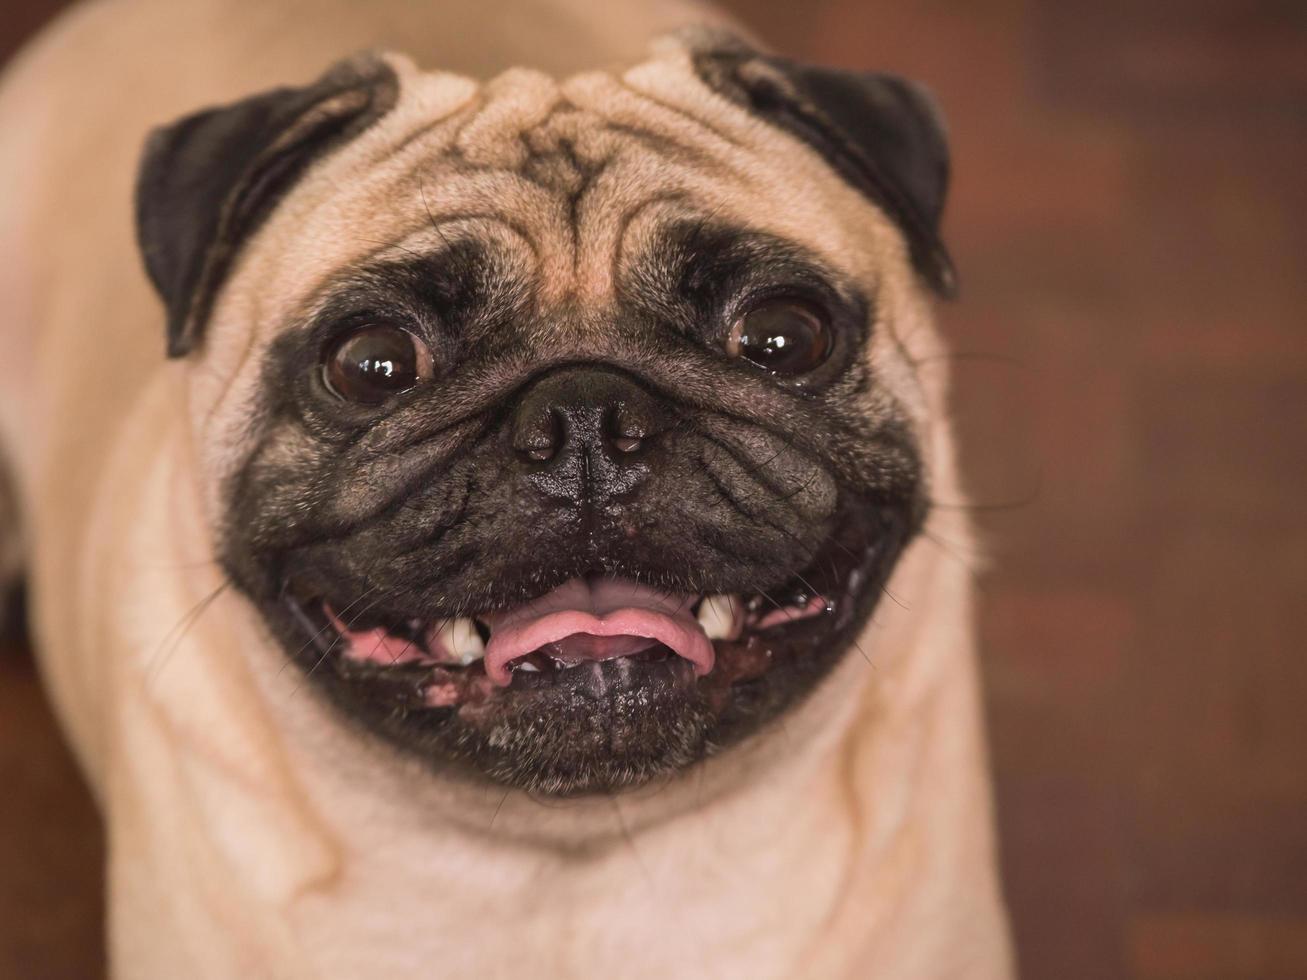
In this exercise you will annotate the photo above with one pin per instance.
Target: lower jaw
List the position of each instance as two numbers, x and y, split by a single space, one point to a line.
427 686
596 727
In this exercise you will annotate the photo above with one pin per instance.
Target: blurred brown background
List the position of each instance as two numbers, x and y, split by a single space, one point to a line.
1130 217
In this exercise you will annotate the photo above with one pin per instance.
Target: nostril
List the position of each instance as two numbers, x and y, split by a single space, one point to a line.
541 455
538 442
625 432
627 444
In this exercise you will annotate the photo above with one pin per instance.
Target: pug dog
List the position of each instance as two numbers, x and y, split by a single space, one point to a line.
527 560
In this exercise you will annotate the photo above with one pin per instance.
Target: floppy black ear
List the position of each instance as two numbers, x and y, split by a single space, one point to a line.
207 181
881 133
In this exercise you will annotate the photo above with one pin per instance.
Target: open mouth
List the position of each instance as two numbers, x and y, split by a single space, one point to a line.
604 680
590 633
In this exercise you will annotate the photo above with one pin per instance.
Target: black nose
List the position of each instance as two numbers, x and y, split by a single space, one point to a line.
587 433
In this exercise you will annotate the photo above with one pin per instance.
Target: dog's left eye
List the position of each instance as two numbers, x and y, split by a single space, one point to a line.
374 363
783 336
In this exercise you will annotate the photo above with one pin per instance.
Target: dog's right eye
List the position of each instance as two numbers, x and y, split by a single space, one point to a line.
374 363
782 336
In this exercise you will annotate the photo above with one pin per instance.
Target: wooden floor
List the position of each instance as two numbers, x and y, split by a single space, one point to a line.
1130 219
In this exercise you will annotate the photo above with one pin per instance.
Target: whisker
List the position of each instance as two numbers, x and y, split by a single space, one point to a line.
897 601
858 646
952 550
779 607
408 645
160 658
332 646
323 629
807 585
494 816
422 190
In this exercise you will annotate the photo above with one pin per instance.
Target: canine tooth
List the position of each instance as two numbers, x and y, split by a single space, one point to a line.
460 637
718 615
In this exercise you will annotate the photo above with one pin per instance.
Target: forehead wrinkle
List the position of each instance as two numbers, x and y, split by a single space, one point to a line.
437 112
855 234
449 229
585 159
636 144
602 175
632 183
430 107
651 149
633 223
622 103
535 215
496 247
561 163
515 102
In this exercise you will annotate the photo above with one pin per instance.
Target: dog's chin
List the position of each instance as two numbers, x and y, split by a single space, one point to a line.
609 679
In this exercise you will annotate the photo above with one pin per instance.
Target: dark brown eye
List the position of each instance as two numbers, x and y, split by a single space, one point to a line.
782 336
374 363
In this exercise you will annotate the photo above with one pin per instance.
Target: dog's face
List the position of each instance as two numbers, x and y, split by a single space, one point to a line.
558 432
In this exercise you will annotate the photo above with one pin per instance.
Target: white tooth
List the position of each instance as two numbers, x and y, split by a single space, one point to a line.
461 639
718 615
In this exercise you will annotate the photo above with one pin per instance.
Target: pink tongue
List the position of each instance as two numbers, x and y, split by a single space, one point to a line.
599 620
580 647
